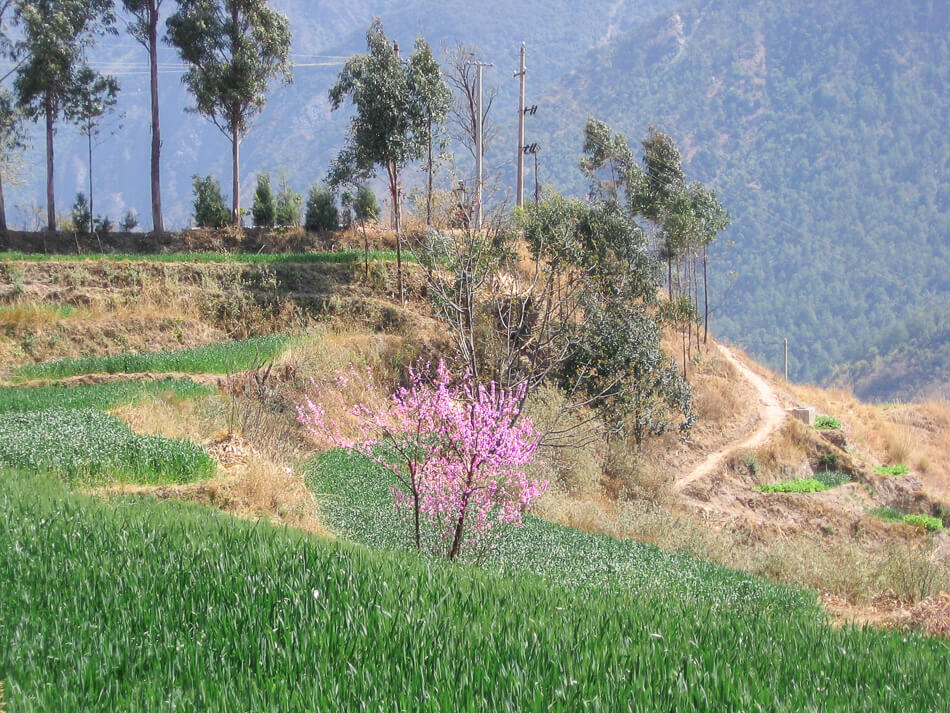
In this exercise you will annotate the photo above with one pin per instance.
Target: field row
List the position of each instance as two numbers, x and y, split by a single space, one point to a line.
337 256
136 604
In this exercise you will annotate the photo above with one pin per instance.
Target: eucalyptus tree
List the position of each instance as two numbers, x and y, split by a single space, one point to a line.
92 97
434 98
13 139
395 103
55 34
144 28
233 49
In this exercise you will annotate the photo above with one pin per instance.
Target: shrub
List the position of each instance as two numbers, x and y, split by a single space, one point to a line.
263 210
751 462
898 469
365 206
928 522
130 221
804 485
833 478
321 210
288 206
103 225
210 208
887 513
828 461
827 423
82 218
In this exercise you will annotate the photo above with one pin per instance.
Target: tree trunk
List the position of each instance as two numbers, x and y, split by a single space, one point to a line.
158 224
669 274
3 212
236 180
705 300
397 219
50 193
365 250
91 214
429 191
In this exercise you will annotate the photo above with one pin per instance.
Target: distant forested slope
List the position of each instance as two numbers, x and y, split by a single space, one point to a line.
823 126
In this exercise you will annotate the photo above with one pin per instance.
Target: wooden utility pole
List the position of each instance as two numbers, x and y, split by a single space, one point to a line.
786 358
479 149
519 187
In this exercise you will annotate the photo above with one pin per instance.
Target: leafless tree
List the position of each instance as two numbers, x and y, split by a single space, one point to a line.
461 76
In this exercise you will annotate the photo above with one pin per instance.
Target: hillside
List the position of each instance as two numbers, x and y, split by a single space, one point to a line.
165 512
821 127
819 124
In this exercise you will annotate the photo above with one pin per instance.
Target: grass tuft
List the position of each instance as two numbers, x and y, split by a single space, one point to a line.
827 423
803 485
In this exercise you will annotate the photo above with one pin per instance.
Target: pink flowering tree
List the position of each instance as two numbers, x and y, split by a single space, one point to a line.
456 448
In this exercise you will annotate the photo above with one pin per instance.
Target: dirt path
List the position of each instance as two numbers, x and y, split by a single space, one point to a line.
772 416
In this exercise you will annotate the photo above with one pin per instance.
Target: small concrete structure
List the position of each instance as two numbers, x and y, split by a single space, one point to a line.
805 414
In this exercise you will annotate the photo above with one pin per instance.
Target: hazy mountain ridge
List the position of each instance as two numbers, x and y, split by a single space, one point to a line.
821 127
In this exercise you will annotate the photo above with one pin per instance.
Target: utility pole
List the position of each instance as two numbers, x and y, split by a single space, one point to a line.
786 358
478 143
519 188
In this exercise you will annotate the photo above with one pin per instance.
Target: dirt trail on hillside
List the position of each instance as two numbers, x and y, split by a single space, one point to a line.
771 413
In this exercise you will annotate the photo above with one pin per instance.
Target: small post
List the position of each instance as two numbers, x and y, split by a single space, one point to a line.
785 341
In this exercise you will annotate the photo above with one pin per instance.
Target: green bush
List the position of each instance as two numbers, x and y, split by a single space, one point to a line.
898 469
130 221
828 461
803 485
82 218
210 208
827 423
321 210
288 206
930 523
833 478
263 209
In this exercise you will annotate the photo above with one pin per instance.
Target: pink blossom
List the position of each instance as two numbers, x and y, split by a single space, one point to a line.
457 449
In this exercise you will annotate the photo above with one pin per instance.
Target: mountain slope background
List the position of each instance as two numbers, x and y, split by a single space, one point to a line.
820 125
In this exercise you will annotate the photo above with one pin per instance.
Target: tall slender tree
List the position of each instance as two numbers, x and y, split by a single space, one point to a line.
55 33
91 98
233 49
389 128
13 138
432 94
144 28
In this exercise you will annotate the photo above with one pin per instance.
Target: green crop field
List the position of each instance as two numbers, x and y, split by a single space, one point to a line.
355 500
134 604
218 358
338 256
97 396
89 447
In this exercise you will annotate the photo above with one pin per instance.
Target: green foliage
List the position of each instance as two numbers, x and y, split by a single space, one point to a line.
209 206
82 218
287 212
898 469
365 206
803 485
828 461
928 522
84 446
832 478
103 225
321 209
221 358
217 613
94 396
751 462
130 221
887 513
263 210
827 423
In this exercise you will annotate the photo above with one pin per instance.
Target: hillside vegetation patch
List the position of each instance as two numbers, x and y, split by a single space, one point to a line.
221 358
